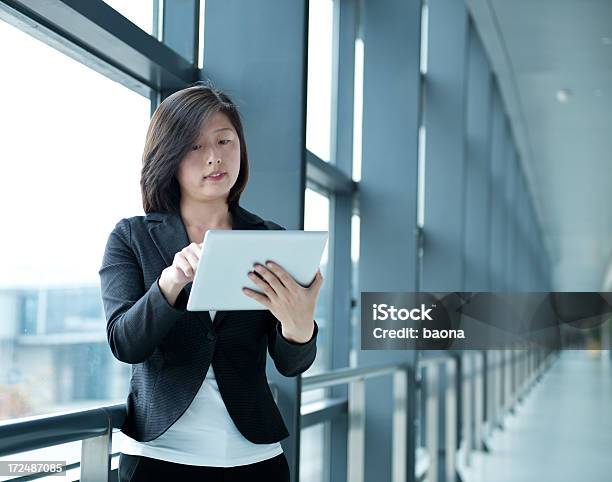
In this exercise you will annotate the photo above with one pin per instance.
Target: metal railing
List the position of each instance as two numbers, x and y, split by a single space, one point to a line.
94 427
463 397
355 378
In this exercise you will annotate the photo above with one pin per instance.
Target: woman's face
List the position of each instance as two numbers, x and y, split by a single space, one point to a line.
217 149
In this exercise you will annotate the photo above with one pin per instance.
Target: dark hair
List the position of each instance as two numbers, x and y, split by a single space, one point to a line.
175 126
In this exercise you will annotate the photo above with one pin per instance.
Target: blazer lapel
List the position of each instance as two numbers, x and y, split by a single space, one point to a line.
170 236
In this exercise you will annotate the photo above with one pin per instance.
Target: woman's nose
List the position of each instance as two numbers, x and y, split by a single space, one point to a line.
218 161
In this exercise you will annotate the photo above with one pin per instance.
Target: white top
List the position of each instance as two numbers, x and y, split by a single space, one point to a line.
204 435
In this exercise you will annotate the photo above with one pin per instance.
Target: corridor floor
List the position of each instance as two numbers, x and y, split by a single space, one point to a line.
561 432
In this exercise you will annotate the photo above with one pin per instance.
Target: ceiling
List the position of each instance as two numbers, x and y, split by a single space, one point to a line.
536 48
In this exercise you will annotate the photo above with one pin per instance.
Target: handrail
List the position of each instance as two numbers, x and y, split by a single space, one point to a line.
435 359
46 430
340 376
40 431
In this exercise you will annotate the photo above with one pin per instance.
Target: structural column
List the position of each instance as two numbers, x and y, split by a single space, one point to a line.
443 255
522 248
477 168
388 187
261 64
496 251
346 17
510 208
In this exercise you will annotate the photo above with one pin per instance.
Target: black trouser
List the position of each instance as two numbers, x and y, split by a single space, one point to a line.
135 468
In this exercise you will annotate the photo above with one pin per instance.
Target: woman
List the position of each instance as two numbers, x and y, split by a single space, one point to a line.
199 405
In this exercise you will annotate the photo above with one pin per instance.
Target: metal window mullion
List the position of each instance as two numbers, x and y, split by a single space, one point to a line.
101 38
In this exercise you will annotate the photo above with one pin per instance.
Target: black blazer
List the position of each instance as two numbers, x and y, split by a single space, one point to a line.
170 349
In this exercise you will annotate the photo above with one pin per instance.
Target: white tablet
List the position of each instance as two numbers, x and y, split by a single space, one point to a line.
228 255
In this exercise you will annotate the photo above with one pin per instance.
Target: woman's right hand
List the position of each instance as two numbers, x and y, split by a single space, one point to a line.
182 271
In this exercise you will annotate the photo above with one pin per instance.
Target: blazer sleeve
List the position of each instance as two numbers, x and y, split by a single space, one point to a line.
290 358
137 319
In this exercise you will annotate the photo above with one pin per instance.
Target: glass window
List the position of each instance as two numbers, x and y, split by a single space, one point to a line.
422 140
72 146
201 24
139 12
355 292
357 109
319 95
424 37
316 218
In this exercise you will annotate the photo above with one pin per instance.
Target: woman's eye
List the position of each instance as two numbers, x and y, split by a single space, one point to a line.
224 141
196 147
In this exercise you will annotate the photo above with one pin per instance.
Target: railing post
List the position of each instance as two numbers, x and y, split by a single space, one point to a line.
509 374
459 398
522 375
530 369
468 408
451 404
514 377
479 390
423 395
498 389
404 446
502 387
442 420
356 431
492 391
486 404
95 457
432 421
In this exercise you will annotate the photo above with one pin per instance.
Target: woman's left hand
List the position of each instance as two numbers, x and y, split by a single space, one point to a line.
291 303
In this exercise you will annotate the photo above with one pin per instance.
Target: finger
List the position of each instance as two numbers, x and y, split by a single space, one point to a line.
317 281
191 257
182 264
264 300
320 279
195 248
285 278
276 284
263 284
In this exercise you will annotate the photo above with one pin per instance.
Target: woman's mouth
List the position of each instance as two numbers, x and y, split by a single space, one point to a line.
216 177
